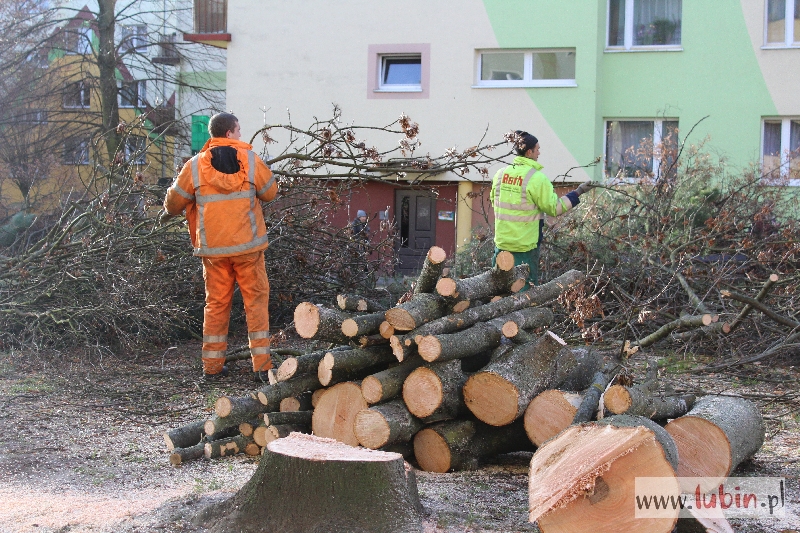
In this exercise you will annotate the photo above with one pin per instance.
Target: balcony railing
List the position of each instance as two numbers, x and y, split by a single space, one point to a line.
210 16
167 51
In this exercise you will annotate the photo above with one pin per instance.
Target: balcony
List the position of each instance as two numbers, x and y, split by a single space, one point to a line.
167 51
210 23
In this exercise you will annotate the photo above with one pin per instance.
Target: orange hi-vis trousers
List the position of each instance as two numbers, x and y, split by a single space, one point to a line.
220 274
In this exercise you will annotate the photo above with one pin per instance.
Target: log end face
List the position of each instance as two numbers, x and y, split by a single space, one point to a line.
491 398
423 392
306 319
349 327
429 348
437 255
400 319
287 369
510 329
617 399
175 459
505 261
547 415
209 428
223 406
446 287
397 347
431 451
371 429
518 285
371 389
703 448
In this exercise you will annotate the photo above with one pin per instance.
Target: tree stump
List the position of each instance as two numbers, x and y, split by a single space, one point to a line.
715 436
307 484
584 478
335 413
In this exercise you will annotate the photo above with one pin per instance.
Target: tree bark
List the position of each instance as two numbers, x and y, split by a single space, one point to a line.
270 396
184 455
185 436
765 289
549 413
316 322
481 337
305 484
386 425
227 447
419 310
362 324
462 444
352 364
485 285
591 397
238 409
580 478
335 413
686 321
359 304
525 320
303 365
716 436
433 393
431 270
288 417
299 402
388 383
537 295
500 393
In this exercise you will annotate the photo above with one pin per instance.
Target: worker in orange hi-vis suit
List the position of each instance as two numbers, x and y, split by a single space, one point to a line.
219 189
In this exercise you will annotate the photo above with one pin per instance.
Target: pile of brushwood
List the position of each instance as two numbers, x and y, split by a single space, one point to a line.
462 369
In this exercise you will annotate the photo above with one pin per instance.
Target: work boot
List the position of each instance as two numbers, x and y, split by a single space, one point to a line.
218 376
262 376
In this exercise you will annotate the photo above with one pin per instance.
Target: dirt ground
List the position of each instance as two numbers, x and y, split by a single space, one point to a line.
82 450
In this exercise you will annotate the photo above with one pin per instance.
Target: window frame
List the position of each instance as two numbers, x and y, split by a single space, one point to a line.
398 87
785 161
658 129
628 45
133 39
527 75
83 44
375 55
135 149
85 95
140 87
790 40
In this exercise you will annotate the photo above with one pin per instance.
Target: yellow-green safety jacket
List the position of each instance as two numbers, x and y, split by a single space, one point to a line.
521 195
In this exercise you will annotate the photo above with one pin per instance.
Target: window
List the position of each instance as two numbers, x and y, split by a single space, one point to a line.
781 149
401 73
32 116
134 39
398 71
640 148
78 40
526 68
76 152
778 32
77 94
136 149
644 23
132 94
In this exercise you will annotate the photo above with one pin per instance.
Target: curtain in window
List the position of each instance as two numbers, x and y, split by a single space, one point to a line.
627 147
656 22
772 148
794 149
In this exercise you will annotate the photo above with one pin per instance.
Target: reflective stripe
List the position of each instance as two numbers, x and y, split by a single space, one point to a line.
215 338
258 335
259 350
560 207
231 250
213 354
267 186
201 225
183 193
211 198
517 218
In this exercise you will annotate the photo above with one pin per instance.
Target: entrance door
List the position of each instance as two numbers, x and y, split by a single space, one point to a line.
417 229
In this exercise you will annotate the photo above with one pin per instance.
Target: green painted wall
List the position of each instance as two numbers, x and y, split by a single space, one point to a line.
715 75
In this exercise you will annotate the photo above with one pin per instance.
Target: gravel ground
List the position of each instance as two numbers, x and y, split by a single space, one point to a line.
82 448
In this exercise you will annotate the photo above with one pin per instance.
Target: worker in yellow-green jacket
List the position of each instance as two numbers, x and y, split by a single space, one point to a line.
521 195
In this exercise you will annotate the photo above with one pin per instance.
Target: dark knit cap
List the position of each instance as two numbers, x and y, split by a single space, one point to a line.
527 142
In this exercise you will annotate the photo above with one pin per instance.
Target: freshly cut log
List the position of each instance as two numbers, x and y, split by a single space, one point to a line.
419 310
300 487
388 383
237 409
525 320
385 425
184 455
645 400
486 284
303 365
537 295
462 444
352 364
362 324
226 447
716 436
549 414
270 396
316 322
591 397
431 270
433 392
500 393
386 330
288 417
301 402
247 428
353 302
336 412
584 479
260 436
185 436
478 338
281 431
316 395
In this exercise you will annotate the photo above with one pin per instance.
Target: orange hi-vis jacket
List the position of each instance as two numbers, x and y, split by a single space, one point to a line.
224 217
227 229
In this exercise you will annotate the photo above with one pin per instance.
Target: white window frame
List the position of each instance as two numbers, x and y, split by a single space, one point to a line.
83 36
790 40
134 38
658 128
527 73
85 95
141 94
396 87
786 128
628 34
135 149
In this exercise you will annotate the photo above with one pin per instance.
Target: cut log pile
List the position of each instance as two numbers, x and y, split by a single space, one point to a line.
449 389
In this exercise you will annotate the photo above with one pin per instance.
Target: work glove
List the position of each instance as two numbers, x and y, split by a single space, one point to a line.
164 217
584 187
